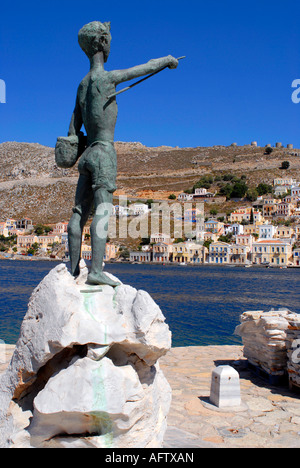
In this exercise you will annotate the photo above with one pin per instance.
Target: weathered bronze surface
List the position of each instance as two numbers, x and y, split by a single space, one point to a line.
96 109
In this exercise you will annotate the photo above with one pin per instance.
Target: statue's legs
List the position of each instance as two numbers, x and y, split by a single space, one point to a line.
83 203
99 228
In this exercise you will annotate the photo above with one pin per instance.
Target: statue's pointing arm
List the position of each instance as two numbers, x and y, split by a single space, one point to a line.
119 76
76 120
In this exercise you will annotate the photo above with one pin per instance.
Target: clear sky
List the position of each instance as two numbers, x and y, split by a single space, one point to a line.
234 85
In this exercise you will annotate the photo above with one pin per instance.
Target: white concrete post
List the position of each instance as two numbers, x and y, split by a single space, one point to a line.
225 387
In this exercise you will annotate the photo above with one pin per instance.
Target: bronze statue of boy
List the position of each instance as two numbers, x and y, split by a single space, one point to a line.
97 111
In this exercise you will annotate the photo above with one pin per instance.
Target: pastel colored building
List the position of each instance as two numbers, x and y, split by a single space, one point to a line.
269 208
189 252
141 256
185 197
284 181
245 214
266 231
295 191
274 252
219 253
244 239
214 226
284 210
60 228
285 232
239 254
296 257
111 251
159 237
162 252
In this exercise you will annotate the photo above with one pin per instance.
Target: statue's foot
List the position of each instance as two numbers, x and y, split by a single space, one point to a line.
101 278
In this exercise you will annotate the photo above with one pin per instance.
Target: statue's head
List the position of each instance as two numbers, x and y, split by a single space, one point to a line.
95 37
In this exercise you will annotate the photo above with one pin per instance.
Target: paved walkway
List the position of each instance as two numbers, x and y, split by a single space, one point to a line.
270 415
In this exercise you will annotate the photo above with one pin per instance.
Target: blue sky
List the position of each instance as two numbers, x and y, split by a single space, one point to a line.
234 85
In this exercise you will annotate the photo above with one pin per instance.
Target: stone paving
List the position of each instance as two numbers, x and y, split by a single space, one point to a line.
269 416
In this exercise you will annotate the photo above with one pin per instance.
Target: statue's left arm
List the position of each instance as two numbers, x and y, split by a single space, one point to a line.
76 120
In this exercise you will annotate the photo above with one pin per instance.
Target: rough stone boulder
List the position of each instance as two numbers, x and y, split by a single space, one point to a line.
85 371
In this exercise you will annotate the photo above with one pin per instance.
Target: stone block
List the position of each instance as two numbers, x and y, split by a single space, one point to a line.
225 387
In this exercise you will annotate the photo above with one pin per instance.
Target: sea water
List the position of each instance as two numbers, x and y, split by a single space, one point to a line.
202 304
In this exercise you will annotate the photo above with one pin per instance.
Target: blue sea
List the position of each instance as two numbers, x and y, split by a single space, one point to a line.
201 304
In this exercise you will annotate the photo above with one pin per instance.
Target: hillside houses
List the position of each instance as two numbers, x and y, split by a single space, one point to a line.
265 232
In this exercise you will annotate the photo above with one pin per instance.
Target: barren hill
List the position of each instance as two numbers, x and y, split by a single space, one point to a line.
32 185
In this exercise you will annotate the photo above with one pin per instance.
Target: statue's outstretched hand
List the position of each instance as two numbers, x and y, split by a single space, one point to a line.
173 62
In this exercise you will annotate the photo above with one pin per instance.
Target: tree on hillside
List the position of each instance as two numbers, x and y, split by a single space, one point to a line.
239 190
285 165
263 189
252 194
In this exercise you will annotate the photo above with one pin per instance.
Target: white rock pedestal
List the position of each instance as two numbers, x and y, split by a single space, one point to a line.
225 387
85 371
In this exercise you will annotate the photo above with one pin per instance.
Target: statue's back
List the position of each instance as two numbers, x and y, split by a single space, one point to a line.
99 114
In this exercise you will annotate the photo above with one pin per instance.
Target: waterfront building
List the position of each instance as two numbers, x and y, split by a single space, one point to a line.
219 253
46 242
239 254
275 252
162 252
296 257
111 251
24 242
141 256
189 252
86 252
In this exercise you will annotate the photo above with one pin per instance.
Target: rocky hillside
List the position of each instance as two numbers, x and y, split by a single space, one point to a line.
32 185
